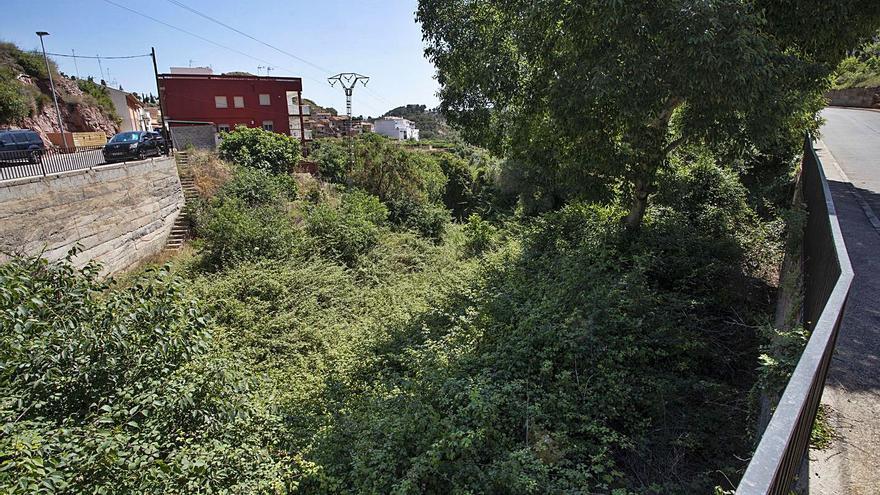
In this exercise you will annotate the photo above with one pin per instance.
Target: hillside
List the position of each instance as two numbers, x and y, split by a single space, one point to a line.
26 97
861 69
318 108
431 124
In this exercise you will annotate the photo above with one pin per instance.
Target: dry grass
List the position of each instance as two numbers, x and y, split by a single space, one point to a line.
209 172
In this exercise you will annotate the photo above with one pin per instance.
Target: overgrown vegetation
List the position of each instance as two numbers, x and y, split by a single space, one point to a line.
256 148
99 95
17 99
861 69
448 322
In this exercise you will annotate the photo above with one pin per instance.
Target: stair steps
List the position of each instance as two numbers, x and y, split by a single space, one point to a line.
180 231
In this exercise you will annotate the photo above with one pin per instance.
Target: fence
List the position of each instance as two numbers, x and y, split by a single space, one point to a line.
36 163
827 279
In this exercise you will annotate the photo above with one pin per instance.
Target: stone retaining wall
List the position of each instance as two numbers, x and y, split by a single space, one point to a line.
854 97
119 214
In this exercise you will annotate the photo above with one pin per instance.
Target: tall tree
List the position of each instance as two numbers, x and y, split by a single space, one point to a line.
590 94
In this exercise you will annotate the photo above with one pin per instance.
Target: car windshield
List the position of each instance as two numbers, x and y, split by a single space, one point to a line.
125 137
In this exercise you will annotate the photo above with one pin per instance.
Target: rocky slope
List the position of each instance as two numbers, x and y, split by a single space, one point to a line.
77 113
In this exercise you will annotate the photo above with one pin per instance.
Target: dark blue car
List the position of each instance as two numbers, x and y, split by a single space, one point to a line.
21 144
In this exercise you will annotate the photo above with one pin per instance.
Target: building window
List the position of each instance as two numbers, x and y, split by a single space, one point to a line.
222 127
238 101
220 102
265 100
268 125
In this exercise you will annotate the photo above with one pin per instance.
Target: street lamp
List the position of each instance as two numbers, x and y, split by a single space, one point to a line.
52 85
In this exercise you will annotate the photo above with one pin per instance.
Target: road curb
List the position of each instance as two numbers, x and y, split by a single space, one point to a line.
829 159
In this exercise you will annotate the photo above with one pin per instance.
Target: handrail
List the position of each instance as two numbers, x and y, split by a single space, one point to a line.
827 279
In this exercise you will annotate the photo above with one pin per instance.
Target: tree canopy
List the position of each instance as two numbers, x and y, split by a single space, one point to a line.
591 95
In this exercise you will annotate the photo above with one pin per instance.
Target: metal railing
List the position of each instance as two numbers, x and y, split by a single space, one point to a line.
38 163
827 279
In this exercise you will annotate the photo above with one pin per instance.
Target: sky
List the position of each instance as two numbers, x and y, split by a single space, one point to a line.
377 38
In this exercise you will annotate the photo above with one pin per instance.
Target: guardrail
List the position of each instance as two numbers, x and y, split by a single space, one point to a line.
39 163
827 279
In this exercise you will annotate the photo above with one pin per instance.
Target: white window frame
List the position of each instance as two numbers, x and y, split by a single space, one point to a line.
238 101
270 124
265 100
221 102
223 128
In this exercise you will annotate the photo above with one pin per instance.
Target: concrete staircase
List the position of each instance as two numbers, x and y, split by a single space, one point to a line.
180 232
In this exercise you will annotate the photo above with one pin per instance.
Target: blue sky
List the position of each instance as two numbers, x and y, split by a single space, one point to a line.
379 38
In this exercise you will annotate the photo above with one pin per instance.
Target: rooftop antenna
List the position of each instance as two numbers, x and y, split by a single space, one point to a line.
348 80
259 68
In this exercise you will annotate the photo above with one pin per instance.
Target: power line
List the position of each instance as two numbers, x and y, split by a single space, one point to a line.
190 33
96 57
227 26
264 43
207 40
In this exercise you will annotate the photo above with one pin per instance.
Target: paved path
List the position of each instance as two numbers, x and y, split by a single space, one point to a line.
851 465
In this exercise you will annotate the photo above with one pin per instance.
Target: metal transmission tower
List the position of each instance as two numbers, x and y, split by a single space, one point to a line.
348 80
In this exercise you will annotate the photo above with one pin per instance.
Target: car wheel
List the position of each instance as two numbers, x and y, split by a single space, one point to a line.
141 155
35 157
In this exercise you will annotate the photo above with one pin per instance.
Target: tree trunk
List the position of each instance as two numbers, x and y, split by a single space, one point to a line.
641 189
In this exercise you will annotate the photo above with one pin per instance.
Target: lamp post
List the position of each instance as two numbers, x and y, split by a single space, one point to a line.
52 85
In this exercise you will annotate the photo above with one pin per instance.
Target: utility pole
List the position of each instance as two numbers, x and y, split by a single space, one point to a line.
348 80
100 67
161 99
52 85
73 52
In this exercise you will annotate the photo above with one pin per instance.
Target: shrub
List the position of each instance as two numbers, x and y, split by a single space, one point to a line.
261 149
233 232
346 232
332 157
14 106
256 187
118 390
395 174
479 235
427 219
99 94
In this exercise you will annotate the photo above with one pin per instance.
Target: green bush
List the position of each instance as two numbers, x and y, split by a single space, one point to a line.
256 187
392 173
119 390
233 232
261 149
427 219
100 94
14 105
348 231
479 235
332 157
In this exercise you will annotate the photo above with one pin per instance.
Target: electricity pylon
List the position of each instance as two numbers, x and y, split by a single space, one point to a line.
348 80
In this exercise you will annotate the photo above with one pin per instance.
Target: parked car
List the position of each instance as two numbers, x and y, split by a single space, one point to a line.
21 144
160 142
130 145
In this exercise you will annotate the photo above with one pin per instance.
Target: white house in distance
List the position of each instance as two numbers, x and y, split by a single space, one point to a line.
130 110
396 128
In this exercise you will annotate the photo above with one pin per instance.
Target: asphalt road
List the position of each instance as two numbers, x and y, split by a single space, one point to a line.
851 465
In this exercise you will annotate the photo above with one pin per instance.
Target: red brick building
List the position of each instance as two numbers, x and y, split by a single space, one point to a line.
227 101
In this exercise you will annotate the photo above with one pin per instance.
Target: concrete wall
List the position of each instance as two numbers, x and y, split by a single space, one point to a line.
203 137
855 97
119 214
